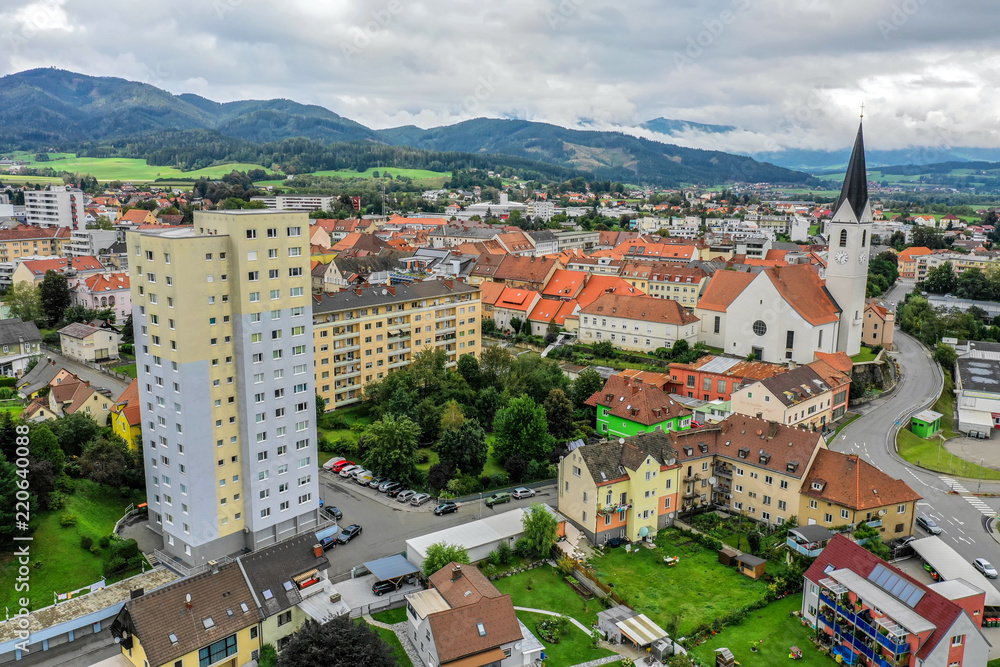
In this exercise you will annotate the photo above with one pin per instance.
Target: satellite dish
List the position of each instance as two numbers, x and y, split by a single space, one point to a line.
118 640
882 512
670 516
621 441
187 598
713 480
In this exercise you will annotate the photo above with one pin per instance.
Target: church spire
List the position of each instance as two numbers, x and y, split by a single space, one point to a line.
855 190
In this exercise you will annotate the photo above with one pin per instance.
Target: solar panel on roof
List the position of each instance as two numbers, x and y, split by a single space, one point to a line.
895 585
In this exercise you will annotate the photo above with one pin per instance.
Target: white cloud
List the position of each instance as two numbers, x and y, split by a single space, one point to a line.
788 73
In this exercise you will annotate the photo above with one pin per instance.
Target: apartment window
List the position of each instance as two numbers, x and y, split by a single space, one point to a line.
275 294
783 484
768 479
782 505
297 291
295 252
272 253
845 514
828 518
266 512
256 338
254 318
957 640
251 233
813 504
254 297
295 272
901 509
295 231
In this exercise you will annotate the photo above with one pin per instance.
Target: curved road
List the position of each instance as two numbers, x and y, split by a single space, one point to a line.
872 436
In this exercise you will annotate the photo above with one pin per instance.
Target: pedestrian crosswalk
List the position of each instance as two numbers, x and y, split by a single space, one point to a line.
965 493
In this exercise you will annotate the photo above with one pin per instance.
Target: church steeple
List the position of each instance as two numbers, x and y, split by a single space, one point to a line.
855 190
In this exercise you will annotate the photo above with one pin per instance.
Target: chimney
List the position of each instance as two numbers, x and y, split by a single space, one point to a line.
213 566
456 573
318 550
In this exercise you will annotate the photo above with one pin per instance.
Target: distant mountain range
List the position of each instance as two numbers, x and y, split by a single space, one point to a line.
670 127
45 108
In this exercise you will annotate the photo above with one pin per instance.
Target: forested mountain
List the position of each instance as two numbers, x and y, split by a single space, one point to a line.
105 116
606 155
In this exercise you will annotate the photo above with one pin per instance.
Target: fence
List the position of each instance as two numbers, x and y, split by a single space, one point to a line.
180 568
393 602
608 591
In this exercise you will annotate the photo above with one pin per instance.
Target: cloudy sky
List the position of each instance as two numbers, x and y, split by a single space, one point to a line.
789 73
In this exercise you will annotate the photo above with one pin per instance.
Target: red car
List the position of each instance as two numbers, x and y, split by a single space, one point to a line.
340 466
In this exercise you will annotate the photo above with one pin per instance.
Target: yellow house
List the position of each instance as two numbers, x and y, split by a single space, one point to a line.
620 488
69 395
126 420
208 619
843 489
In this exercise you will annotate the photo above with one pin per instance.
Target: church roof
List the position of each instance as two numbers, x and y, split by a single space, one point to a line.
855 190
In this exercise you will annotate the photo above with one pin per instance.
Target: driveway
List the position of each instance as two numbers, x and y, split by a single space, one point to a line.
388 524
85 372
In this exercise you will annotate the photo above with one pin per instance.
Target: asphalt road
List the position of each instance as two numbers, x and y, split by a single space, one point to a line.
386 525
872 436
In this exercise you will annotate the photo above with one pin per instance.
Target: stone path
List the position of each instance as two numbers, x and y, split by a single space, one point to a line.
555 613
600 661
400 631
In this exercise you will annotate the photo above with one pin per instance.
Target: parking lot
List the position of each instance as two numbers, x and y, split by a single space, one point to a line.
387 524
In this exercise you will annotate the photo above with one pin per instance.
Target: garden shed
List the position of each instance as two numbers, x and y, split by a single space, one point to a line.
727 556
926 423
622 625
750 565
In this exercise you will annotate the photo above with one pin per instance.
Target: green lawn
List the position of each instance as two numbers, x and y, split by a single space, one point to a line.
415 174
14 410
57 561
432 458
778 630
544 588
493 466
128 369
127 169
573 648
695 591
932 455
864 355
351 415
391 616
390 638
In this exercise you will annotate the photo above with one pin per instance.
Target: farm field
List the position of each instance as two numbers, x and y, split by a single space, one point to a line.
120 169
415 174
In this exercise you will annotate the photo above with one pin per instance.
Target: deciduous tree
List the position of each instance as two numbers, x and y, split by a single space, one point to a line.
392 447
55 295
465 447
339 642
521 429
24 302
559 412
539 531
440 554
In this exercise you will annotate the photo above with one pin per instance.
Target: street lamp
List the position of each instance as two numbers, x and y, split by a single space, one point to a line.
980 487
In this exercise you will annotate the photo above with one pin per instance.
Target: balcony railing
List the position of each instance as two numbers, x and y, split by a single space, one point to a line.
812 549
869 629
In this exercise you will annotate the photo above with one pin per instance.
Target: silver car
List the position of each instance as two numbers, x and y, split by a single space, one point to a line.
405 496
420 499
985 568
347 472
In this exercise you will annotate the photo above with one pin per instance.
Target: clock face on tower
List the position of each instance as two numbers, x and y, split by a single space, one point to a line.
862 258
841 257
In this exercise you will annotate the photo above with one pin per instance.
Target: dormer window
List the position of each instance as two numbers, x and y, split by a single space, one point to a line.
744 452
817 486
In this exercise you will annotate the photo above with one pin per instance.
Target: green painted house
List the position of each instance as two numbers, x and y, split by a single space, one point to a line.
926 423
627 407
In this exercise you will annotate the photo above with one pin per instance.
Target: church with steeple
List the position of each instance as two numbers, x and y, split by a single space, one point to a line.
849 232
787 313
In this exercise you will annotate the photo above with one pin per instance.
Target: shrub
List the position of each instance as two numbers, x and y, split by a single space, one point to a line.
499 479
565 564
115 566
104 542
67 520
876 349
423 457
522 546
134 563
96 550
57 500
505 553
86 541
9 382
126 549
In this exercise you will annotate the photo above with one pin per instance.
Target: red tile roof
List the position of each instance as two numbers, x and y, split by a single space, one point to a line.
40 266
802 288
849 481
565 284
598 285
491 292
632 399
723 288
517 299
100 282
635 307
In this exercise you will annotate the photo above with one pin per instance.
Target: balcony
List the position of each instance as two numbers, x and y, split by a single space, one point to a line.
810 549
853 619
692 478
723 472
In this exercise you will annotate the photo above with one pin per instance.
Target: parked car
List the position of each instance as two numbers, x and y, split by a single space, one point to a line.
380 588
405 496
337 467
395 491
523 492
497 498
928 524
984 566
695 423
387 486
378 479
333 512
332 462
359 471
445 508
349 533
346 471
420 499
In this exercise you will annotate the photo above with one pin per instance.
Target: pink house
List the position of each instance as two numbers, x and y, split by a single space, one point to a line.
105 290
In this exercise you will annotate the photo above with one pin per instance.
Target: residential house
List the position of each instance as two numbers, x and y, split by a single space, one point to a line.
286 579
208 619
545 242
68 395
25 241
844 489
138 216
595 265
485 268
34 270
882 615
360 335
565 285
549 313
101 291
758 466
126 417
627 406
525 272
879 325
513 303
517 243
319 236
19 342
89 344
462 620
811 396
634 322
780 314
577 239
715 378
620 487
667 280
356 244
907 262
